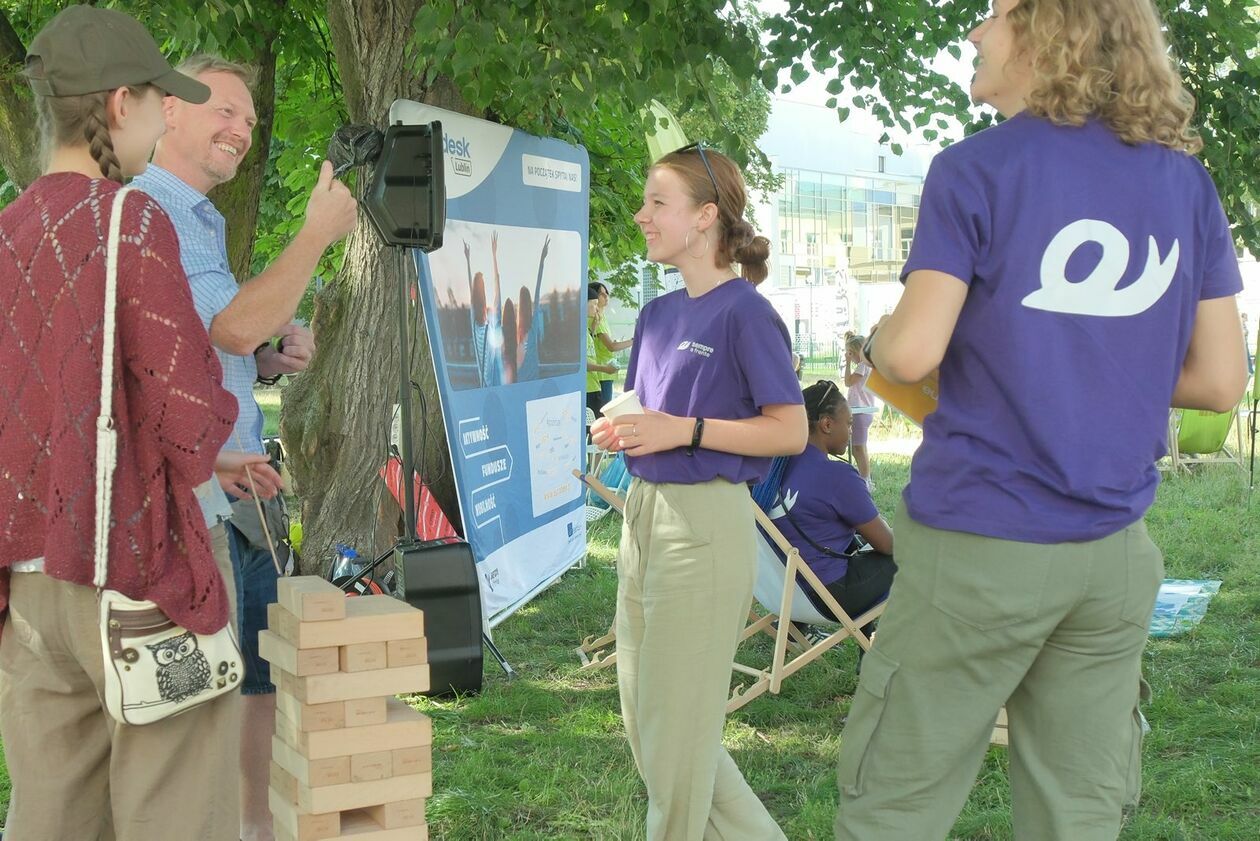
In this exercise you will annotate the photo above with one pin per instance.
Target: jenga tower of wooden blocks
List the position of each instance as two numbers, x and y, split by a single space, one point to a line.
348 759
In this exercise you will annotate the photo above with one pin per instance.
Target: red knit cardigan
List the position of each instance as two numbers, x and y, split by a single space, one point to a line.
170 409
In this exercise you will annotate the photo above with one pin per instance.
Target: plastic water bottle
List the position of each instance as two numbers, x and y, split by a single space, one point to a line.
347 564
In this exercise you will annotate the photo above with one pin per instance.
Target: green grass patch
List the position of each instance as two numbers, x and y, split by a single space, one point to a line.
544 757
269 401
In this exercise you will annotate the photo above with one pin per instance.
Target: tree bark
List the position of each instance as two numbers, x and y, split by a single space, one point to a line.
19 131
336 416
238 199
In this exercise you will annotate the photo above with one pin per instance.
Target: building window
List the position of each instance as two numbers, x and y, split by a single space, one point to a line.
881 163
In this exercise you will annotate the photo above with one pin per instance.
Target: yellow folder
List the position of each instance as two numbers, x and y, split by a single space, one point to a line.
915 400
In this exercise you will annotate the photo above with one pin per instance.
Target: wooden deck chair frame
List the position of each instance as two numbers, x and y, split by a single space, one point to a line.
794 606
598 652
1181 461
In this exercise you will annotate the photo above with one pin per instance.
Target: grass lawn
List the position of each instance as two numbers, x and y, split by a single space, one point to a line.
544 757
269 401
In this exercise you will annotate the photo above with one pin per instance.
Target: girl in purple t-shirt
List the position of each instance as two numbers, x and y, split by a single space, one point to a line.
711 364
1072 276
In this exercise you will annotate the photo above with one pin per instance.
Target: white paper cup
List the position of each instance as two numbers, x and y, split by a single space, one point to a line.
623 404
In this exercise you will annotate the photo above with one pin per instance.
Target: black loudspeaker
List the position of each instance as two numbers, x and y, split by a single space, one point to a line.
440 578
406 200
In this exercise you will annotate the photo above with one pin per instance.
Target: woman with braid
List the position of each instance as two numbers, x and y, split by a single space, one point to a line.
712 366
99 80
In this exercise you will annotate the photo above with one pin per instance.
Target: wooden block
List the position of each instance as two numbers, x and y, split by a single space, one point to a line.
376 765
302 826
345 686
413 652
360 826
362 711
287 732
362 657
300 662
368 619
415 760
330 716
283 784
331 771
404 728
311 598
342 798
398 814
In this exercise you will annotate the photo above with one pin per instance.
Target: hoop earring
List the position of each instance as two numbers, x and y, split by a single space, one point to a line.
687 244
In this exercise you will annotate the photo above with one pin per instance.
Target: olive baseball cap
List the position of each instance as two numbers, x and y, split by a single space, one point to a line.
85 49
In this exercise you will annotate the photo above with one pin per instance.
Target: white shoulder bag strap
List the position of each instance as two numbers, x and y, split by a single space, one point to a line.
106 435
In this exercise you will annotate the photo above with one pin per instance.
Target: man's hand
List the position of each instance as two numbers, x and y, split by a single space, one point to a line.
297 348
234 470
331 212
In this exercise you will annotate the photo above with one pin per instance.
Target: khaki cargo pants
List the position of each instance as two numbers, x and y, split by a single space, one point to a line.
1054 632
685 578
77 774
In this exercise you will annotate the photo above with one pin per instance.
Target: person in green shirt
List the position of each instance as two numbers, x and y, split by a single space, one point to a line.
597 366
605 346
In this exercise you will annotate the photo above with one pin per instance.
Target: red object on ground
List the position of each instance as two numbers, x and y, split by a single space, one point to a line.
431 520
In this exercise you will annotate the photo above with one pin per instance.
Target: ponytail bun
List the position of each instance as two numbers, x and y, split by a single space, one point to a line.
741 244
753 258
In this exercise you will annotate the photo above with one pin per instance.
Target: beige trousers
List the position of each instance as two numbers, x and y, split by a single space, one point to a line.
77 774
685 578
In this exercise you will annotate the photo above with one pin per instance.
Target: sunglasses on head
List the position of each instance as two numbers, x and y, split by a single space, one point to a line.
822 400
699 147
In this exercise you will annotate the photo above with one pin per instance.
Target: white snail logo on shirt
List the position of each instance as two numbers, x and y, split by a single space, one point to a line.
1098 294
783 504
696 348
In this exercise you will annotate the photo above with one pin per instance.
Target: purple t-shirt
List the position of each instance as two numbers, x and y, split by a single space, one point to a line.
1085 260
828 500
723 355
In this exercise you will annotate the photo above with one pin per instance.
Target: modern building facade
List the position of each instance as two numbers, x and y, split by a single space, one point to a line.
840 226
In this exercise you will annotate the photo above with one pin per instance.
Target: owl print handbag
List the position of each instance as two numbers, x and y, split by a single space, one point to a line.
153 667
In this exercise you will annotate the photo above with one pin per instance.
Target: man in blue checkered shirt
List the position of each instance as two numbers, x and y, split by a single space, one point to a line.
201 149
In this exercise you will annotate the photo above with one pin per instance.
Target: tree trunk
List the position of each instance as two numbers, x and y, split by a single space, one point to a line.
238 199
19 132
336 416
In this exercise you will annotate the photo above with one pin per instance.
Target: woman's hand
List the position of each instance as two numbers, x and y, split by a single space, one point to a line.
641 435
602 435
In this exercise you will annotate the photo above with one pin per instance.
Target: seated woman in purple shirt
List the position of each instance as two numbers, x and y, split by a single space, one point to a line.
712 366
1074 255
823 503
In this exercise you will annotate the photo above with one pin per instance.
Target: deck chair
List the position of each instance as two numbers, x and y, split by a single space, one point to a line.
616 478
1200 437
780 590
598 652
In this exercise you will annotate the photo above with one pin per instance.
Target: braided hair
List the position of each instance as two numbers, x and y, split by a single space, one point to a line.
71 120
822 399
96 133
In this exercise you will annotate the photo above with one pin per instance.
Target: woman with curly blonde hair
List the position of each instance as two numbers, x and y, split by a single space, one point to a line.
1072 276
